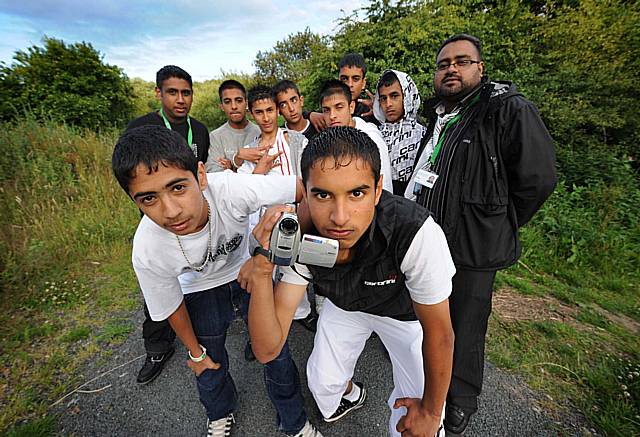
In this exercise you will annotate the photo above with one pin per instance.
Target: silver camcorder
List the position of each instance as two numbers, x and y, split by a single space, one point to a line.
286 247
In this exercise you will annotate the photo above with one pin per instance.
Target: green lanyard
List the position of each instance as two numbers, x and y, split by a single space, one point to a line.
168 125
454 120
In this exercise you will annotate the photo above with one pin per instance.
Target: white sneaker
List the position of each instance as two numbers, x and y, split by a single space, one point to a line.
220 427
308 430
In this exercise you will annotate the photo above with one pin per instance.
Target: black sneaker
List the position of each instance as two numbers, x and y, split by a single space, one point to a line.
456 419
248 352
309 323
153 366
346 405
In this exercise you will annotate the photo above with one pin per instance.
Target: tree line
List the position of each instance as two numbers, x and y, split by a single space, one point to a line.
579 61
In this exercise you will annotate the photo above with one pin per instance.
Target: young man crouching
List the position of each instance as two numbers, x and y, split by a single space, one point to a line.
392 276
187 252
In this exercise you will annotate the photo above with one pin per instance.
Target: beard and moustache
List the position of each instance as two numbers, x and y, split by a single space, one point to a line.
455 93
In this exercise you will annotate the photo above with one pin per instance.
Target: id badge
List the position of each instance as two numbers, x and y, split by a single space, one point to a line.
194 149
426 178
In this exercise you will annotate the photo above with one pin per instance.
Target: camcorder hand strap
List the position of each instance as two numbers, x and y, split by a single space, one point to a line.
262 251
256 248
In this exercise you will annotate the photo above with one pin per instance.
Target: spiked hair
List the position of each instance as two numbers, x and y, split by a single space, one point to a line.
343 144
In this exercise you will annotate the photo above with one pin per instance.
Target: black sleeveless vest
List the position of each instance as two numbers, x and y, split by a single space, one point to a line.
372 282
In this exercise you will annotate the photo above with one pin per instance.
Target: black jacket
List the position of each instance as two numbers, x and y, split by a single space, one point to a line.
498 167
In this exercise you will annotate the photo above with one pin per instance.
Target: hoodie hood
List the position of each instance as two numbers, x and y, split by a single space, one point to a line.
404 136
410 100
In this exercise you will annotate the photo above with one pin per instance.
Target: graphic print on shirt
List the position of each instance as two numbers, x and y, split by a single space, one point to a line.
222 249
402 137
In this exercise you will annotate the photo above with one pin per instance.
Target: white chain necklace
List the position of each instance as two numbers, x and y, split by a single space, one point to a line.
207 255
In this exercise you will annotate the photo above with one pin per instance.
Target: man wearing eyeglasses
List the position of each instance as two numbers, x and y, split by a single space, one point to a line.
484 167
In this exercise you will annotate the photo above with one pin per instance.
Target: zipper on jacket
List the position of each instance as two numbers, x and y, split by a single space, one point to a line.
494 165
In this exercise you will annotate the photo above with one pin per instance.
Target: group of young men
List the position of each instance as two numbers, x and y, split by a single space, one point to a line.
424 211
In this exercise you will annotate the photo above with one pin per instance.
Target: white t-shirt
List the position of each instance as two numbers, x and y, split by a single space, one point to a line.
385 164
427 265
162 270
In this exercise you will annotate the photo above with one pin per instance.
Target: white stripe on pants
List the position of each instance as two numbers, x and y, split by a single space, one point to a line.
338 343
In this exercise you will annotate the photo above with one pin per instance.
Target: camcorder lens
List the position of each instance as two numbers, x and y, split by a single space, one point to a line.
288 226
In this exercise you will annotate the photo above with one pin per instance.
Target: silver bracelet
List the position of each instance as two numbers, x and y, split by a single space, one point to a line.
233 161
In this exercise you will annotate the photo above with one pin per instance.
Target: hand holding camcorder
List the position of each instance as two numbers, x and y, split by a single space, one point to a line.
286 246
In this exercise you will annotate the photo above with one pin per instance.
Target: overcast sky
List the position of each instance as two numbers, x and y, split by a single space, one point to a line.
140 36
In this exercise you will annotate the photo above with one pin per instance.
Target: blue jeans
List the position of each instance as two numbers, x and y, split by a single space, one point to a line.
211 312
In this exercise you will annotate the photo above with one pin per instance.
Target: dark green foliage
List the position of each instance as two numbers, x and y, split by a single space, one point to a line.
578 61
66 83
303 58
288 59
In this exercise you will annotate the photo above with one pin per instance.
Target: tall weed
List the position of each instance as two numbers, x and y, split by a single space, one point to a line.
588 237
65 226
59 200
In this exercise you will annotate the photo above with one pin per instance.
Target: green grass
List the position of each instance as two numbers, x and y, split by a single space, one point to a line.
116 331
65 271
582 249
591 361
42 427
76 334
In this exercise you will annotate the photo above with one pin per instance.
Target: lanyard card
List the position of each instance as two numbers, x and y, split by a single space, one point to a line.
426 178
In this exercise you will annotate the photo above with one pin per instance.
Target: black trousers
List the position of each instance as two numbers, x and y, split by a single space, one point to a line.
470 307
158 336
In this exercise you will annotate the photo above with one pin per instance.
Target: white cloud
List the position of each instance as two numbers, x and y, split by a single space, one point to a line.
141 36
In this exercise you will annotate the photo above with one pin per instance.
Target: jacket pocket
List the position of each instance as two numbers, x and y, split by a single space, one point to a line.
485 236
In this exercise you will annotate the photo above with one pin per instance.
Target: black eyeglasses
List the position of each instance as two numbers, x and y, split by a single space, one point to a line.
463 63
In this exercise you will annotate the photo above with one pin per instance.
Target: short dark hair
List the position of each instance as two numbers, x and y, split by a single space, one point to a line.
334 86
343 144
283 86
388 79
353 60
150 145
463 37
169 71
231 84
259 92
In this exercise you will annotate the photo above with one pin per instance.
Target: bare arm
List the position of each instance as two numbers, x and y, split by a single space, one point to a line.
270 312
181 324
423 415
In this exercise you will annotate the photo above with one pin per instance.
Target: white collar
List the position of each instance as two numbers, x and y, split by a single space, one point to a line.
306 126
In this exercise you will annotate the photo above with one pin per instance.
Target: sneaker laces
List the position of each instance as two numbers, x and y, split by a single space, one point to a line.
220 427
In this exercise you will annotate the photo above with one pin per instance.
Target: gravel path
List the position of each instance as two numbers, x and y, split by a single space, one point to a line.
169 406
